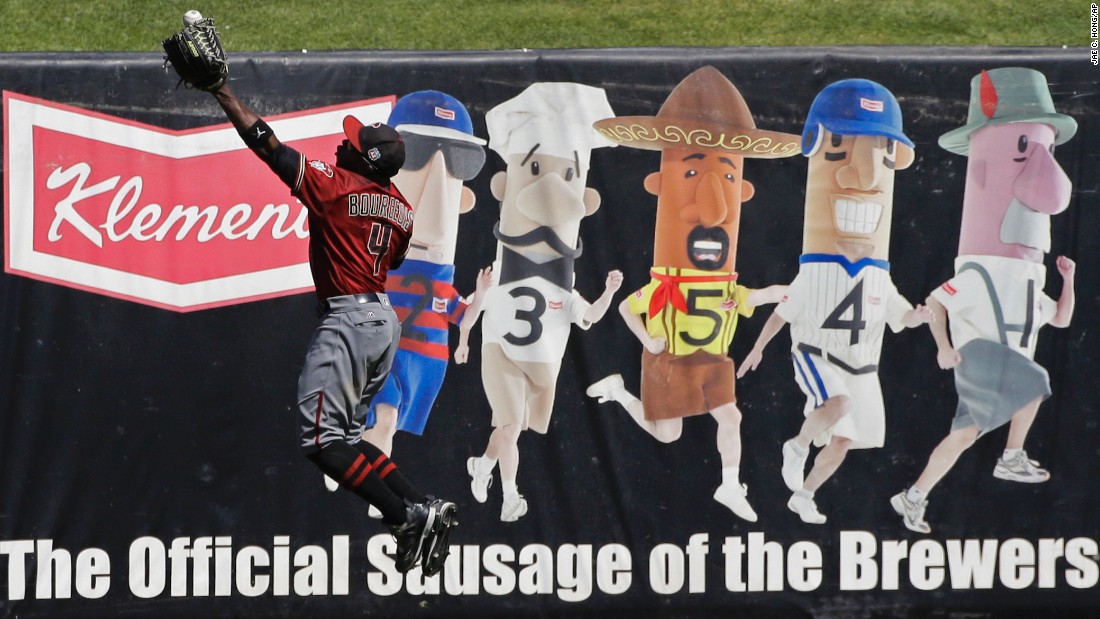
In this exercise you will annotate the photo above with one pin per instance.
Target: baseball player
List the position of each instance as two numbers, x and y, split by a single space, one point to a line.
843 297
360 226
995 303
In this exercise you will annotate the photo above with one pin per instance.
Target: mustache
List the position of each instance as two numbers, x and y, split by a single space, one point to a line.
542 234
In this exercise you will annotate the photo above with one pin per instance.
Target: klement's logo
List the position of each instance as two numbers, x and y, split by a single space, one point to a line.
182 220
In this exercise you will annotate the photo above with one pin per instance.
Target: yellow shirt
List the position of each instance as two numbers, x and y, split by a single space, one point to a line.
692 309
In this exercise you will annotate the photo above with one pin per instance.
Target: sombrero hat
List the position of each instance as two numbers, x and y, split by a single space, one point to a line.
704 112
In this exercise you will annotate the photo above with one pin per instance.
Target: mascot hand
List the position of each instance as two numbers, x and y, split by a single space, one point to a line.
484 280
656 345
462 353
948 358
752 360
614 281
1066 267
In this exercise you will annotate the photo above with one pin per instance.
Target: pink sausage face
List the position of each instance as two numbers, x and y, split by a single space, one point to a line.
1013 186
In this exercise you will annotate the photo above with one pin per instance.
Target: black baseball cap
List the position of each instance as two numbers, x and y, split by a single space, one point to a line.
379 144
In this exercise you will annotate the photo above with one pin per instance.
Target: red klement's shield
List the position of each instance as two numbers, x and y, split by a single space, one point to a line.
182 220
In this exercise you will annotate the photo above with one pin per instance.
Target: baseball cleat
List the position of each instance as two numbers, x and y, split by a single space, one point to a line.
411 534
438 547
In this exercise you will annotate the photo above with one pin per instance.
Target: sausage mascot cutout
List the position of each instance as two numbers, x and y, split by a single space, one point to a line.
441 153
545 137
994 305
685 317
843 298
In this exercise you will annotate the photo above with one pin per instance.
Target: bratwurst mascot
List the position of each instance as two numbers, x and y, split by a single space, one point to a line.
995 303
843 297
685 317
545 137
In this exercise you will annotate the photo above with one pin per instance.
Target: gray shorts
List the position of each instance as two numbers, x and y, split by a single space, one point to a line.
993 382
349 357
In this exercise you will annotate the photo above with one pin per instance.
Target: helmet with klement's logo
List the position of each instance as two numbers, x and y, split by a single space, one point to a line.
853 107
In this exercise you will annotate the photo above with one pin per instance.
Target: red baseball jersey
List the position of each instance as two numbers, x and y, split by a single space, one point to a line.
356 228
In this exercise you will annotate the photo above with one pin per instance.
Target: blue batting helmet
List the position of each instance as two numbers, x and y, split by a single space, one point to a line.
853 107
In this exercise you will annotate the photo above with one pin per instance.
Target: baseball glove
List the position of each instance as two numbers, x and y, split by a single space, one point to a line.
197 56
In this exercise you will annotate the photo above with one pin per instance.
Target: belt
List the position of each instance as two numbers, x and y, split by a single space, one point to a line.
814 350
325 306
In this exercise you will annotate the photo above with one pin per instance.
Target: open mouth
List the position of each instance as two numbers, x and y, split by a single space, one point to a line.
708 248
856 216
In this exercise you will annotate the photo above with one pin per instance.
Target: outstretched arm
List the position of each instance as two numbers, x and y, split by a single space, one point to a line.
246 122
599 308
473 312
1068 269
763 296
919 315
771 328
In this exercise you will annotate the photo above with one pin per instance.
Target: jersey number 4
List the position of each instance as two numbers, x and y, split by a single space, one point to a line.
378 243
856 323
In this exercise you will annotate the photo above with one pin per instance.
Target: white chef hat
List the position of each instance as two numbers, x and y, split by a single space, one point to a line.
557 116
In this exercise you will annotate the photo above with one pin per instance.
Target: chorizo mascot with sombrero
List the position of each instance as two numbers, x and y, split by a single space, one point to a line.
685 317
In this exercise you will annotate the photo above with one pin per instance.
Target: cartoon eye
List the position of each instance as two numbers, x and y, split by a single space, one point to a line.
731 178
836 140
889 146
691 174
836 156
568 174
1021 145
534 168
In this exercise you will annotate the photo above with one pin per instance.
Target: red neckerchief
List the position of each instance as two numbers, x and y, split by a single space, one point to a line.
669 289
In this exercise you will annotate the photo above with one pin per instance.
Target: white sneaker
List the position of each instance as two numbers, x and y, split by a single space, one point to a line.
1021 469
331 484
604 388
734 497
374 512
513 508
912 514
479 482
803 504
794 467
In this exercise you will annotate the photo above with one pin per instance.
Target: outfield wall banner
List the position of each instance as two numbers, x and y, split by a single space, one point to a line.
156 305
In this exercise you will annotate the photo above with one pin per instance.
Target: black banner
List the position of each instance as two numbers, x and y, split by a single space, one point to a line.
148 459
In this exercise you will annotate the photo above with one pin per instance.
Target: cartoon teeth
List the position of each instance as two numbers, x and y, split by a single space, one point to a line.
707 250
856 217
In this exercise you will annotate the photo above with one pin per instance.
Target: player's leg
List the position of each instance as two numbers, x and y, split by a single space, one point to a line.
826 463
612 389
1014 464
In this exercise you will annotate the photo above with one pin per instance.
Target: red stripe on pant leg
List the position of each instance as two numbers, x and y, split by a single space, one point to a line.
317 419
354 467
387 470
